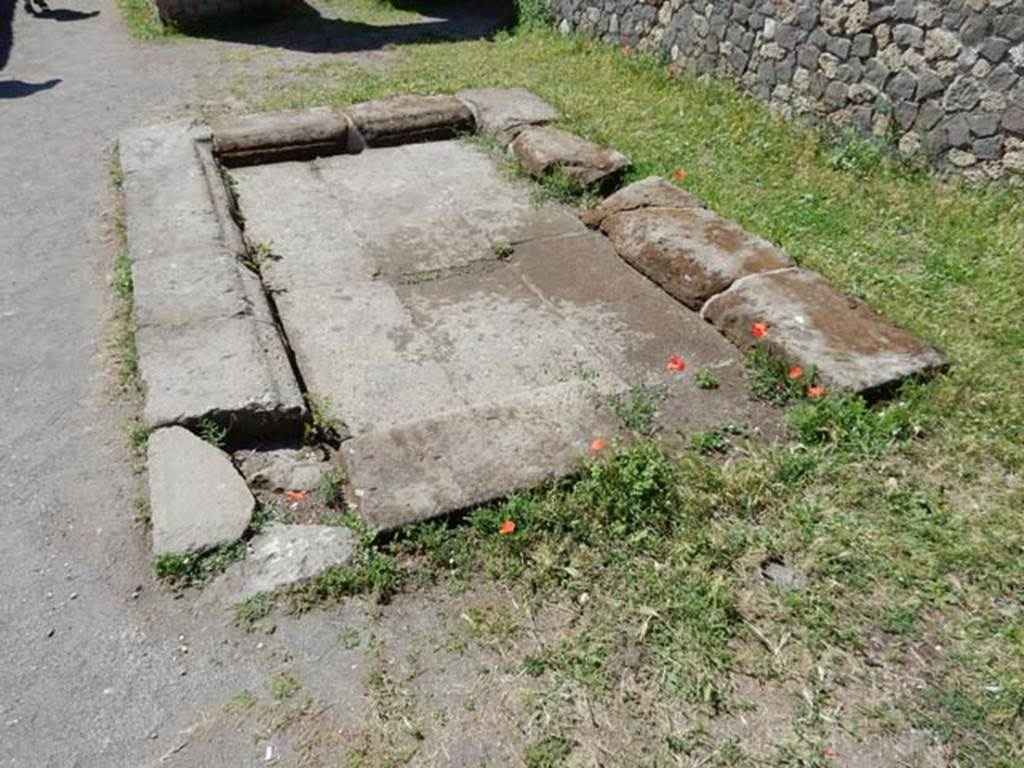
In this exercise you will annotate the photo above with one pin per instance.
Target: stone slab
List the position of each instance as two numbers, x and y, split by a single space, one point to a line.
408 119
542 149
290 135
460 459
814 325
652 192
503 111
207 343
690 252
197 498
281 555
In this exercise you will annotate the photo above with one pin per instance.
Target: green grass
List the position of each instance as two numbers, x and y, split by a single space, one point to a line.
904 516
283 686
141 19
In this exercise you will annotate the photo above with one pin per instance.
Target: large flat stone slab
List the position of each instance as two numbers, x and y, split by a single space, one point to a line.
197 498
543 149
813 324
652 192
281 555
207 343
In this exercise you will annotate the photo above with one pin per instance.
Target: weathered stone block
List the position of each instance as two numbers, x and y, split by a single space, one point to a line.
691 253
407 119
276 136
196 496
812 324
502 111
541 149
652 192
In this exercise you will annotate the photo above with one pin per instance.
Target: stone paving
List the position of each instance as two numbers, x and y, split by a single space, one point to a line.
371 270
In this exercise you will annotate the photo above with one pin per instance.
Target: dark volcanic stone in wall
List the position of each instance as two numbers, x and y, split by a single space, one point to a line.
944 75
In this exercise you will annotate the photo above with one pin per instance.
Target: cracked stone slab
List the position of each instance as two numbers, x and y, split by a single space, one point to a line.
471 456
207 343
407 119
197 498
541 149
692 253
503 111
813 324
281 555
652 192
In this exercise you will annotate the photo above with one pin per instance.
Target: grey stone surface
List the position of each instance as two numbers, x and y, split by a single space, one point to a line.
543 149
283 469
501 111
812 324
691 253
653 191
206 340
196 496
281 555
429 342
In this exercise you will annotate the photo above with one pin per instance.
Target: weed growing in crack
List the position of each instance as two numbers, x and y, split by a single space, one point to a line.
283 686
323 425
638 411
252 610
706 379
212 432
258 255
330 487
773 380
194 569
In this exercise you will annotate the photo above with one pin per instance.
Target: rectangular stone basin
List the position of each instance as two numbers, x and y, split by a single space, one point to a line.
469 337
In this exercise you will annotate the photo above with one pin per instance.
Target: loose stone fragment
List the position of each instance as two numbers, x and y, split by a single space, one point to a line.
282 555
690 252
197 498
284 469
652 192
541 149
812 324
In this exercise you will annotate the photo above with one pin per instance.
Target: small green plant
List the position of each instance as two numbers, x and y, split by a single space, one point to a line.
253 609
139 436
638 411
502 250
531 13
349 638
241 702
259 254
192 569
330 488
773 380
212 432
547 752
706 379
709 442
283 686
323 426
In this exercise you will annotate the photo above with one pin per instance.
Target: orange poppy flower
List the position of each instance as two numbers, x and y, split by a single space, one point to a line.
816 391
672 70
625 50
598 445
296 495
679 175
795 372
675 363
509 526
759 330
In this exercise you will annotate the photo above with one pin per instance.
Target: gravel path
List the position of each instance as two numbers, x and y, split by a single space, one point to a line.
99 665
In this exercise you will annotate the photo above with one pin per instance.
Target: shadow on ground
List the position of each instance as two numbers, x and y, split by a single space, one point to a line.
309 30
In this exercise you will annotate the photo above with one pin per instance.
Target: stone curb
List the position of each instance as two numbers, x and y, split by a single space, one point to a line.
735 280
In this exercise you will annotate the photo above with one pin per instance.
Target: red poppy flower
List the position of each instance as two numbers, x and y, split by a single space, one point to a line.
759 330
830 752
509 526
816 391
598 445
679 175
296 495
795 372
672 70
675 363
625 50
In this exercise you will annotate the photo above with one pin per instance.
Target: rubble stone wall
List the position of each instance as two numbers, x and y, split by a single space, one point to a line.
944 77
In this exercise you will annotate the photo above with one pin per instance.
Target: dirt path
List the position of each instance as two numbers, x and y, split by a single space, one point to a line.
99 665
